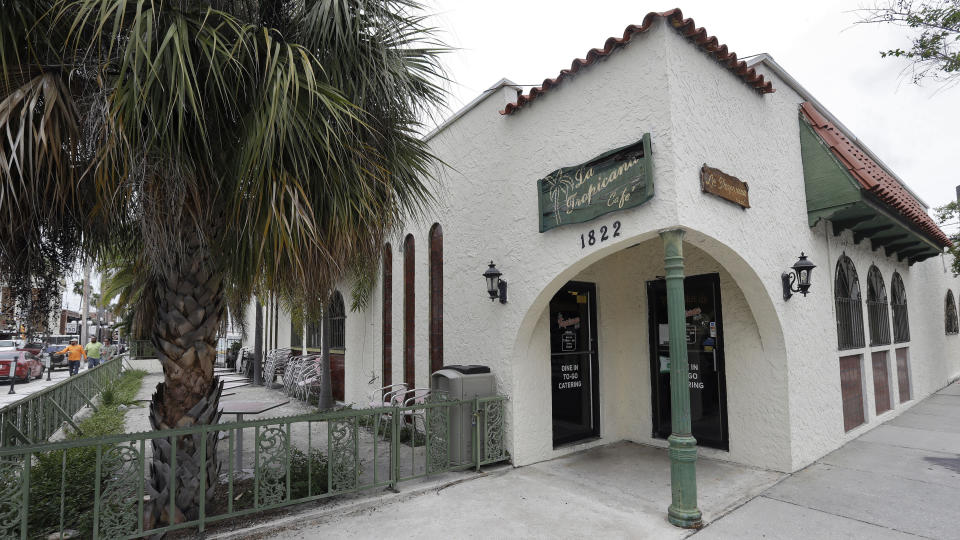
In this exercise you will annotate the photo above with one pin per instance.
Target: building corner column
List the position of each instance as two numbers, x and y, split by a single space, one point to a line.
683 511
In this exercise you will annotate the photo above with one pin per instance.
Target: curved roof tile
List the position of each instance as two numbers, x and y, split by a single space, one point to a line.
872 177
686 27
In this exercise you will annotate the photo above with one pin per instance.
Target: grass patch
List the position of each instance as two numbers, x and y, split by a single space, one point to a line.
73 472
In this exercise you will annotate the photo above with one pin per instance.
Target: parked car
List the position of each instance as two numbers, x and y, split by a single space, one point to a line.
8 345
28 366
34 347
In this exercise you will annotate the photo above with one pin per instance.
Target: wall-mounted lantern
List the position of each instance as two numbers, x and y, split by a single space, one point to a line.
797 281
496 287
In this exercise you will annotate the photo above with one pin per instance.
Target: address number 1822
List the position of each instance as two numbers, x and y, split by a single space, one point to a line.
602 234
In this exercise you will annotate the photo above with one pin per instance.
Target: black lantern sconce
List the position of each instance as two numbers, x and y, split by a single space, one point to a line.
797 281
496 287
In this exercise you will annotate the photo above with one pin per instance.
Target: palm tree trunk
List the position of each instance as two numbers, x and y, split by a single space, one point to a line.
326 387
190 307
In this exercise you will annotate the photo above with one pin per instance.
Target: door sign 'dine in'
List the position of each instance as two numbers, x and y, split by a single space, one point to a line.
615 180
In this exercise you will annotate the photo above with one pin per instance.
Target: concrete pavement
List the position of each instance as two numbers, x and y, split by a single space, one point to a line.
899 480
620 490
23 390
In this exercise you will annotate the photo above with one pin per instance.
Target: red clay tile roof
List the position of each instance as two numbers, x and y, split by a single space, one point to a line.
872 177
687 29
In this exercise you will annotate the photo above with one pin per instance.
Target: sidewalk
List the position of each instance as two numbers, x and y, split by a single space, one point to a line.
23 390
900 480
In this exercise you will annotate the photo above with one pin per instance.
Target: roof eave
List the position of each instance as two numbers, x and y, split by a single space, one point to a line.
767 60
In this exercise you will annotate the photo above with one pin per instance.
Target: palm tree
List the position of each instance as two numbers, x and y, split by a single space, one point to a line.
233 147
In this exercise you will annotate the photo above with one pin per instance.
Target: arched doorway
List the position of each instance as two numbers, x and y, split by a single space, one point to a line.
742 351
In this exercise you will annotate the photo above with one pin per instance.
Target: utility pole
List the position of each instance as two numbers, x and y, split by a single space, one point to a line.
85 311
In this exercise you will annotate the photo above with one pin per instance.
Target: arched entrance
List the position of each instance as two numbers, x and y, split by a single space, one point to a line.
742 352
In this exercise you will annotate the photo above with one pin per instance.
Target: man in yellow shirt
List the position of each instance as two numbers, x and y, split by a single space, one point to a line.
75 354
93 352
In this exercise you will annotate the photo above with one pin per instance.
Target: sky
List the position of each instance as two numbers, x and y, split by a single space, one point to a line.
912 129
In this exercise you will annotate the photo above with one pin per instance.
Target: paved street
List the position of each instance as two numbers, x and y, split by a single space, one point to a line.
900 480
24 390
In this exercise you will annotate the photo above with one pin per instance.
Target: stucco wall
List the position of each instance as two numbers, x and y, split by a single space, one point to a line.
782 369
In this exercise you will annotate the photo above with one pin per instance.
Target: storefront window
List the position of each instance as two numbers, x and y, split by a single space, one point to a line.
898 301
436 297
338 317
387 315
409 312
877 315
849 310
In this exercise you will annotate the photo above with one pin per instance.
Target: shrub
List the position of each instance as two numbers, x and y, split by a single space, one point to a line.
72 472
300 465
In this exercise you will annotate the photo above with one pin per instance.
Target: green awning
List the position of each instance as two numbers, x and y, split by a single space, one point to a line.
835 195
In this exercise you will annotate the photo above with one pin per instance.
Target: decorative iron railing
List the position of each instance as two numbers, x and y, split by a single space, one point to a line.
849 323
901 323
288 460
33 419
879 320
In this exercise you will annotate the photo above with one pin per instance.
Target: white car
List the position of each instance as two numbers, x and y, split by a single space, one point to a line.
8 345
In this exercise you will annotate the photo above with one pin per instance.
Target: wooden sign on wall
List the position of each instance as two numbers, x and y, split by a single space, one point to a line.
616 180
724 186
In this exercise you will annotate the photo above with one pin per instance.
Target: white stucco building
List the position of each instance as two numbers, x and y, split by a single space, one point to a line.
579 347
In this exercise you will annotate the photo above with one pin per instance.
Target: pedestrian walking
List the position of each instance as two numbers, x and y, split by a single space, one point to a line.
74 353
93 350
108 351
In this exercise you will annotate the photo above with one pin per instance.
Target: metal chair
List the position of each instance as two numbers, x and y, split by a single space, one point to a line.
386 396
418 396
311 377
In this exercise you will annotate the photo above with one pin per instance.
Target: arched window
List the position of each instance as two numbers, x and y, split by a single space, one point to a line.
387 315
877 316
338 317
849 310
409 313
898 302
950 317
436 297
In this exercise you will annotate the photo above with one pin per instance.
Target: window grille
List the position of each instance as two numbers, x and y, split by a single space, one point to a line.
338 318
950 318
877 315
898 302
849 310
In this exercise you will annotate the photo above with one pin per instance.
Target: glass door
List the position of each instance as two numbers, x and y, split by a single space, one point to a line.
573 363
707 379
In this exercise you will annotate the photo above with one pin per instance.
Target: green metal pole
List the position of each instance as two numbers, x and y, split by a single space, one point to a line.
683 511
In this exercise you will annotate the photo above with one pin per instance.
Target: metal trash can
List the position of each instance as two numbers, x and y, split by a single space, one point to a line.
463 383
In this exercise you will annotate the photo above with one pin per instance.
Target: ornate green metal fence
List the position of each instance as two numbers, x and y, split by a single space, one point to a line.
141 348
36 417
287 460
